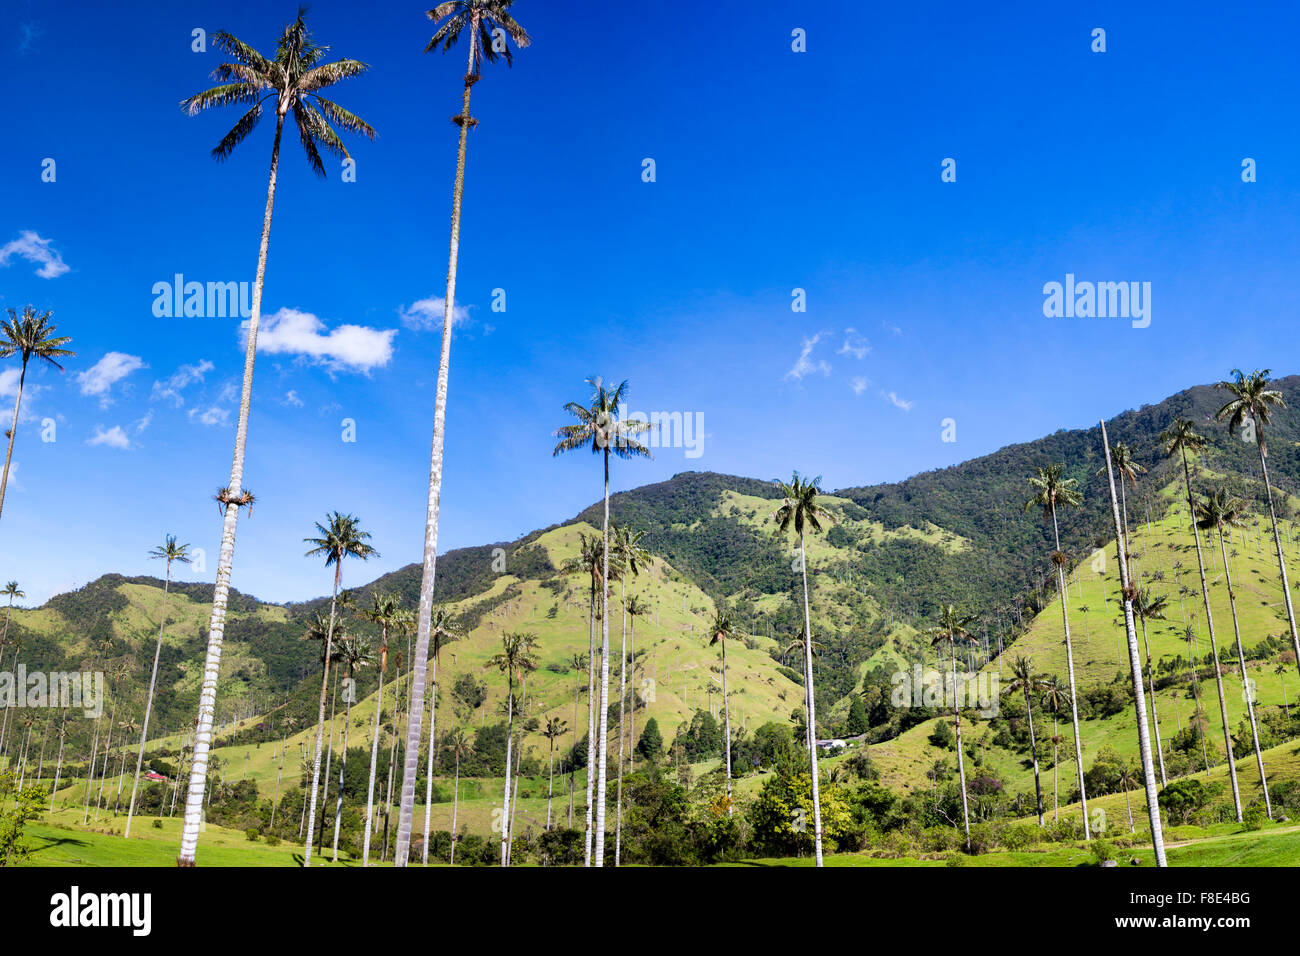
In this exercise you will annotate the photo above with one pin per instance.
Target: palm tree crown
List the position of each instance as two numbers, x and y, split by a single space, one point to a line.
293 79
1251 399
599 426
483 18
30 335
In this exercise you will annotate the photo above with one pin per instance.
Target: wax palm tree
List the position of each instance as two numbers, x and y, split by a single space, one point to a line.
28 335
478 21
1056 697
1149 606
636 607
292 80
342 538
1280 671
554 729
720 629
1129 593
1024 679
590 560
11 590
1193 663
516 657
443 630
289 723
1052 491
171 552
58 768
1219 511
385 612
951 629
354 654
460 745
599 428
632 557
1253 400
1127 777
800 510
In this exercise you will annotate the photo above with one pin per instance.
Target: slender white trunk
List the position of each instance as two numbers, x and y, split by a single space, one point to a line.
1214 643
591 724
374 754
455 805
812 703
505 794
148 707
1069 663
1245 689
1135 665
320 720
428 773
411 757
622 719
1277 540
343 766
961 757
603 744
1033 749
225 562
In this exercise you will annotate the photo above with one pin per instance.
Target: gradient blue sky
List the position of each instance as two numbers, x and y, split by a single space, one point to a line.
775 170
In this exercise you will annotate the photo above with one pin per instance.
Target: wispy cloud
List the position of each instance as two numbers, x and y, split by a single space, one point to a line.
854 344
113 437
890 327
859 385
33 248
291 398
172 387
424 315
804 364
212 415
99 379
897 402
354 347
145 422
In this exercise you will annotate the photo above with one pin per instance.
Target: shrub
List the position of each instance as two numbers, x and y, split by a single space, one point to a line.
252 833
1252 818
272 840
1102 851
157 824
982 839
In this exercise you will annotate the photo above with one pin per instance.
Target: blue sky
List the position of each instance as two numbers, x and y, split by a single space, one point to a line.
775 170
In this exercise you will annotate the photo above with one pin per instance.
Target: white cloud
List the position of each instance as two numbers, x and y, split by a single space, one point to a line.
354 347
854 344
212 415
113 437
291 398
859 385
889 327
185 375
144 423
805 365
33 248
897 402
100 377
427 314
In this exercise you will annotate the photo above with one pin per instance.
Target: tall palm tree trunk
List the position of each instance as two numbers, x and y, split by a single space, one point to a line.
726 724
329 759
1155 717
1135 664
1033 749
1277 540
603 746
455 805
550 784
428 773
226 559
410 765
505 794
812 704
343 766
13 432
961 757
622 725
374 757
1069 665
148 707
1245 685
320 719
1214 643
591 725
1129 806
58 767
